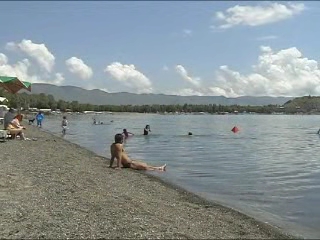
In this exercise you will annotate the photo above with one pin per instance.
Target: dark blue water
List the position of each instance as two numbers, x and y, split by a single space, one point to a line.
270 169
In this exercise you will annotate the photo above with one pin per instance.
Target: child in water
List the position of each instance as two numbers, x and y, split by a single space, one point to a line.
64 124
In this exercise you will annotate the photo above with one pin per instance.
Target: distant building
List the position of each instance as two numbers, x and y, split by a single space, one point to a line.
45 110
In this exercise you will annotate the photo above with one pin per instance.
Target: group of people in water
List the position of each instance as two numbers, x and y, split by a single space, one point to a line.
127 134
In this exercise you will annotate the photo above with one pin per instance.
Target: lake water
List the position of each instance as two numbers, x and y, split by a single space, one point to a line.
270 169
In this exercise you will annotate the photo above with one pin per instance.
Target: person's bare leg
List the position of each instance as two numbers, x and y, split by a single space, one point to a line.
22 137
143 166
15 132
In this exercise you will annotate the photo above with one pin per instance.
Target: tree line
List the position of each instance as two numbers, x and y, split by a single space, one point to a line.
43 101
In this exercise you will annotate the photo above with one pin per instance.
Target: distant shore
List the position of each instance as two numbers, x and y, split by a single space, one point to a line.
50 188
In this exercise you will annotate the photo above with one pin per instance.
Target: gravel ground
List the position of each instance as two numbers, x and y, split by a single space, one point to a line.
51 188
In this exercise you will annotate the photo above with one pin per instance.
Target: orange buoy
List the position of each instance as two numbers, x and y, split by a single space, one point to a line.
235 129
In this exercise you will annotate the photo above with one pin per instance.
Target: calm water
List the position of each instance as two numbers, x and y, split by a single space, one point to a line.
269 170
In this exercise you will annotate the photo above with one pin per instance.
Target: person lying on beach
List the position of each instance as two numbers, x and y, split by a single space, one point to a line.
126 133
118 152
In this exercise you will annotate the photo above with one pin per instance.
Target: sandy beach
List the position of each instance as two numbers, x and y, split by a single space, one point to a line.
50 188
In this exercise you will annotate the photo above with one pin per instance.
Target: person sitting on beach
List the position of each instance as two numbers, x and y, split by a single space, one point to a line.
15 128
126 133
123 160
146 130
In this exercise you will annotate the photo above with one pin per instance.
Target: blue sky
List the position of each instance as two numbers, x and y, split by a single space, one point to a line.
183 48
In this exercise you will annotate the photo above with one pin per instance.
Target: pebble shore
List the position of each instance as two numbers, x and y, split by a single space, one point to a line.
53 189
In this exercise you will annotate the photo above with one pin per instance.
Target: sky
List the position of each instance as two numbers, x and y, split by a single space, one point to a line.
204 48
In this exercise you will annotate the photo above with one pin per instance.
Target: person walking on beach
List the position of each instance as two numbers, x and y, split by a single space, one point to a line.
146 130
39 118
64 125
118 152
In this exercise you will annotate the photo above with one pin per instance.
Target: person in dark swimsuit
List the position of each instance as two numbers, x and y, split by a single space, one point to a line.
118 152
146 130
126 133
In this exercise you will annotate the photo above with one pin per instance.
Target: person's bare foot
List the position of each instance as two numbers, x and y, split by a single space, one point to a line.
163 168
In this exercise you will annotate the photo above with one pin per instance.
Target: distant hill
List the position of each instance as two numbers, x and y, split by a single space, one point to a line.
98 97
307 104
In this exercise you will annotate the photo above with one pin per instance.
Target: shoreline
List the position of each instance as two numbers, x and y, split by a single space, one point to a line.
68 181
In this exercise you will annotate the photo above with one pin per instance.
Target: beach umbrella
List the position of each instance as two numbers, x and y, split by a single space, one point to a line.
13 84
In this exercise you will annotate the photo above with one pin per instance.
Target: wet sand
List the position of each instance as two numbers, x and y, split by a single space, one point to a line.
51 188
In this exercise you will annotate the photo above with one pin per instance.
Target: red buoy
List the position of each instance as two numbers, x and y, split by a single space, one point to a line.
235 129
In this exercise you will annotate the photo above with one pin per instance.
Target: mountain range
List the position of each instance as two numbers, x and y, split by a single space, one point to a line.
99 97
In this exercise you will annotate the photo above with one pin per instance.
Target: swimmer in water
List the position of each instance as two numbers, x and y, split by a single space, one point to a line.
146 130
126 133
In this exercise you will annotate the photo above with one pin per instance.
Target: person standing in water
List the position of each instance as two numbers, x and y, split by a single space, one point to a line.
126 133
146 130
64 124
123 161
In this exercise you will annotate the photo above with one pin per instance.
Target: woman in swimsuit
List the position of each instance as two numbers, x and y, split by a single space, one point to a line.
118 152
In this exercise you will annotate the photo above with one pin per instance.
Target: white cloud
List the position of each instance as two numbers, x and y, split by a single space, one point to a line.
39 52
78 67
258 15
282 73
186 92
130 77
195 81
19 69
265 38
277 73
165 68
25 71
3 59
187 32
59 78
